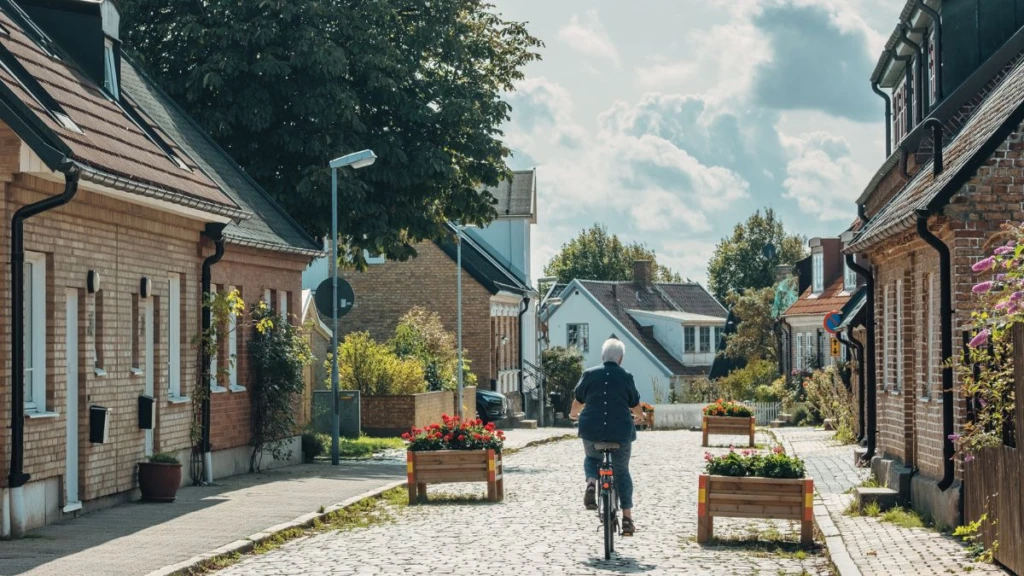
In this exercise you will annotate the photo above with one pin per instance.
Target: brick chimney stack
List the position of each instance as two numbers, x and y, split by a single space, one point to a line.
642 275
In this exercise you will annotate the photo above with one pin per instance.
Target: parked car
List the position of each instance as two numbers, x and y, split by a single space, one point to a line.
491 406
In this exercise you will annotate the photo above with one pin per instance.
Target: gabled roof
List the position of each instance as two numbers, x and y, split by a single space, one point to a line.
483 266
665 357
270 228
516 198
69 121
1000 113
831 299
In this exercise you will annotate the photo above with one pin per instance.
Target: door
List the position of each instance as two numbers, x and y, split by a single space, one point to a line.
71 500
149 366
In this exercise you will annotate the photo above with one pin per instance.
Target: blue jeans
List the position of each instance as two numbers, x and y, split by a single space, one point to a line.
620 466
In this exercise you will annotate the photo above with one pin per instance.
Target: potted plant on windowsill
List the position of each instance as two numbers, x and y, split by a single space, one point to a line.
455 451
728 418
160 477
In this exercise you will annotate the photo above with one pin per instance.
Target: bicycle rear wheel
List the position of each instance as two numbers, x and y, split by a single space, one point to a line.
609 523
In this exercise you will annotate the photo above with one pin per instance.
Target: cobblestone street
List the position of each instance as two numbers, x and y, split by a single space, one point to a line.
542 528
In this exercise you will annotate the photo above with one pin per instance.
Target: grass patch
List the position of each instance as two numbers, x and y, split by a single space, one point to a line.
872 509
365 447
446 498
904 518
766 543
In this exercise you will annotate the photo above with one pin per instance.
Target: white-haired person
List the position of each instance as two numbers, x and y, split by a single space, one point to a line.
608 405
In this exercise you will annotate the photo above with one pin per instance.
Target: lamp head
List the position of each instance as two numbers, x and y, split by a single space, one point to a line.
355 160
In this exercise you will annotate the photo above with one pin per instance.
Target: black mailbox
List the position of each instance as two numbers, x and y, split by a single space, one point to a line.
147 412
99 424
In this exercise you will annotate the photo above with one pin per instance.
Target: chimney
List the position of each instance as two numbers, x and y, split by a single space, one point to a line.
642 273
783 271
88 31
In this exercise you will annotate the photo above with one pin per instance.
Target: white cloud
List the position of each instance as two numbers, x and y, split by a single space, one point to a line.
588 36
822 176
666 74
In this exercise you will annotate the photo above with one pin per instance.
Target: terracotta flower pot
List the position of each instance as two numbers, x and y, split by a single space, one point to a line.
159 481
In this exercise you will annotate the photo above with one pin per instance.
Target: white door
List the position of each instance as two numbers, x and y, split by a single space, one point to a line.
71 499
149 367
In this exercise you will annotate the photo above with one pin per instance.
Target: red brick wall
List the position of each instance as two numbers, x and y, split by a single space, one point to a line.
393 415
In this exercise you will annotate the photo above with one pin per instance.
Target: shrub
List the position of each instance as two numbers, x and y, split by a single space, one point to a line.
725 408
800 415
455 434
700 391
313 445
827 395
421 336
563 368
164 458
375 370
748 463
742 384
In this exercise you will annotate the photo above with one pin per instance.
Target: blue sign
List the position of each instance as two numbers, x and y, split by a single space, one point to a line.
832 321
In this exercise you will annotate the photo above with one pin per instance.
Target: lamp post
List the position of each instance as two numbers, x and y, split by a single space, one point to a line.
458 315
355 161
540 351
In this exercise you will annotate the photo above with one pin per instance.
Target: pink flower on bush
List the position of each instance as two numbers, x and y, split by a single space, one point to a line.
1002 250
983 265
983 287
968 457
980 340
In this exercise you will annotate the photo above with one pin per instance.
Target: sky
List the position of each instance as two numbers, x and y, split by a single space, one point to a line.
670 121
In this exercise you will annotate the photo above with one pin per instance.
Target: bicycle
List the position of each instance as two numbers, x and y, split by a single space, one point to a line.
608 498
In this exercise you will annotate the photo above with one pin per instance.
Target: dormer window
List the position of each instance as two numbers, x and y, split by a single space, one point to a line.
849 277
818 273
110 69
899 116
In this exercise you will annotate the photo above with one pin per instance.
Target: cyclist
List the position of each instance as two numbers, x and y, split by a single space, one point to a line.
610 405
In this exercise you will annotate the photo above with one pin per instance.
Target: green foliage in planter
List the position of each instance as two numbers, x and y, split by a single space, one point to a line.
375 370
727 408
164 458
749 463
278 354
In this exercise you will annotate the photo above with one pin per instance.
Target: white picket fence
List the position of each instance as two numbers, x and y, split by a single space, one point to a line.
688 416
765 412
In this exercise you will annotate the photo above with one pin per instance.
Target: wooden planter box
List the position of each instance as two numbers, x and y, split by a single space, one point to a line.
728 426
751 497
444 466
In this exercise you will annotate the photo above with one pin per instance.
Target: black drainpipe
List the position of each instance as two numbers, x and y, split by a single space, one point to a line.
936 126
946 326
17 477
860 389
870 408
522 312
934 15
888 118
214 232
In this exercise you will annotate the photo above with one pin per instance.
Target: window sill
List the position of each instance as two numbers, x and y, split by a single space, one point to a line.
41 415
136 372
217 389
99 372
178 399
236 388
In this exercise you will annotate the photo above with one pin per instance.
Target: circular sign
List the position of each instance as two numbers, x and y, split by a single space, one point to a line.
769 251
832 321
325 292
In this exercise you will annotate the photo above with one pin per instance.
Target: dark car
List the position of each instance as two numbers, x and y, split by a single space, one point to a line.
490 406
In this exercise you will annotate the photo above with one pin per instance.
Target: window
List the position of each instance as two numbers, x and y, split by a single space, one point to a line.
110 69
232 357
268 298
849 277
174 337
97 334
689 339
373 258
705 339
579 337
214 360
34 338
899 335
899 117
138 335
930 51
282 305
818 273
886 337
930 359
800 352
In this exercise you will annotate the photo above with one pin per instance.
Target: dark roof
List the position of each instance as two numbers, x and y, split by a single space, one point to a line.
994 120
853 311
516 198
482 266
39 80
693 298
270 227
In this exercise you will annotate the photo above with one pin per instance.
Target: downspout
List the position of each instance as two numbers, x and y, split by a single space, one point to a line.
946 327
522 312
936 126
17 478
870 408
787 332
934 15
888 117
860 389
214 232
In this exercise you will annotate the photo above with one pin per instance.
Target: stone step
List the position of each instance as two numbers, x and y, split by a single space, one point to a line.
884 497
528 424
778 423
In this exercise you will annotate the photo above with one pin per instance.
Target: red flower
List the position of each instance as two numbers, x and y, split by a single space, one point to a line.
490 426
462 438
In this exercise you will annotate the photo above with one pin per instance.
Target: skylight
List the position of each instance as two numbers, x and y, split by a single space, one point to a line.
110 69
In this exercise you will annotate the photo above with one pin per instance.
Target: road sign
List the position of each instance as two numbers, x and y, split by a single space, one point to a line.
832 320
324 293
835 347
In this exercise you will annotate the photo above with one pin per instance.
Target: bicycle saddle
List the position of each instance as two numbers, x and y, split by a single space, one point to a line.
606 446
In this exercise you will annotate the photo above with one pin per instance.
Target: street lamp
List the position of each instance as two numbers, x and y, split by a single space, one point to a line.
355 161
458 322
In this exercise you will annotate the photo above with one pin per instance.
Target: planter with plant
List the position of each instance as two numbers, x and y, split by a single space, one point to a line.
648 411
750 485
455 451
728 418
160 477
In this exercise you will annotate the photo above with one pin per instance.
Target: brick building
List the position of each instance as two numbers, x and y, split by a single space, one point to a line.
120 200
952 180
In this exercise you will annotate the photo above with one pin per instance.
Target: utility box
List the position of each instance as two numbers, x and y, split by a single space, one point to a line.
147 412
99 424
351 417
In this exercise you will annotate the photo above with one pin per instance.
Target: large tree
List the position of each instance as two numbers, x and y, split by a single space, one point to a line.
596 255
285 87
755 337
739 261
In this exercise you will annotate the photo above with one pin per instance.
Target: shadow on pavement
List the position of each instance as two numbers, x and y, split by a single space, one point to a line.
621 565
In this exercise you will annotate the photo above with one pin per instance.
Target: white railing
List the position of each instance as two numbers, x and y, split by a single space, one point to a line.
765 412
688 416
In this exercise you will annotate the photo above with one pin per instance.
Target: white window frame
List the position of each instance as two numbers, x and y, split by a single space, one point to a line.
818 272
215 386
800 351
35 294
282 304
373 259
689 339
849 276
886 337
174 338
898 384
110 69
700 343
930 347
268 298
586 338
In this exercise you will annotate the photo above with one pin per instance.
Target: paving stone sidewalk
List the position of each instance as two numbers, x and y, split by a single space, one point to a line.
542 528
135 539
875 547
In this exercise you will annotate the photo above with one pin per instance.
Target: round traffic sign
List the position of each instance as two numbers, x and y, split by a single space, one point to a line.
832 321
324 294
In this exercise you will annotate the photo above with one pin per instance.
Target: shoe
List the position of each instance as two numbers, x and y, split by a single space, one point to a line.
627 526
590 497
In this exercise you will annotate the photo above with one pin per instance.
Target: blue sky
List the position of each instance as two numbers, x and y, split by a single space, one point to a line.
672 120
